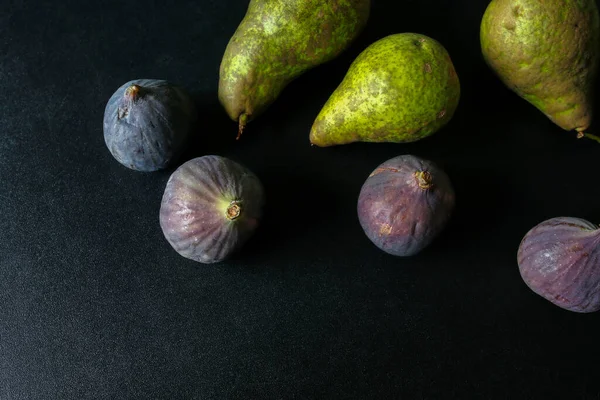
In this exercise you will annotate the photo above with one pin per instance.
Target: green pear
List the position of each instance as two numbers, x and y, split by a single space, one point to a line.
400 89
276 42
546 52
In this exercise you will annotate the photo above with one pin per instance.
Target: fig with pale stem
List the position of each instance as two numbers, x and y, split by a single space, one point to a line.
210 207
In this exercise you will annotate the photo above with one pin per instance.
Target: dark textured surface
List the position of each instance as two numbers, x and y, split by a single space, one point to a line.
95 304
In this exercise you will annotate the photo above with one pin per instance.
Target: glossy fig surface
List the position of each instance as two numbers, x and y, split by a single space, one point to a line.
210 207
404 204
559 260
147 123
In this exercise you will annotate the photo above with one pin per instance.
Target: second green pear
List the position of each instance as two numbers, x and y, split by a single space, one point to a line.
548 53
400 89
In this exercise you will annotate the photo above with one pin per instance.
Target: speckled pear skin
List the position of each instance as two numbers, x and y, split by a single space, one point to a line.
547 52
400 89
276 42
210 207
559 259
404 205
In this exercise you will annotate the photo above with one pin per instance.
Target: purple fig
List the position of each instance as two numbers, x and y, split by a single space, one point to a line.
558 260
210 207
147 123
404 204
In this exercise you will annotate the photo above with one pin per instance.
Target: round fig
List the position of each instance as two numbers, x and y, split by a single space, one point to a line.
147 122
559 260
210 207
404 204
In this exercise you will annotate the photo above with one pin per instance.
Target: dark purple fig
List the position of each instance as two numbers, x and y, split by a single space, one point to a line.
210 207
404 204
559 260
147 123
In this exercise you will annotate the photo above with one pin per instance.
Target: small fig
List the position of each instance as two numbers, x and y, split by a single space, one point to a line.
147 122
559 260
404 204
210 207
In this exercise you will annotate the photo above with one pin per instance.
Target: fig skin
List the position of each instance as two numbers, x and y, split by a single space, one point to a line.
211 206
559 260
147 123
404 204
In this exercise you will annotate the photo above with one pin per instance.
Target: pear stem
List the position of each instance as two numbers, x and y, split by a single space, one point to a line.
588 135
243 121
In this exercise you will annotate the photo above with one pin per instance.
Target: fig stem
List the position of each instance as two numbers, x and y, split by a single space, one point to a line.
588 135
132 92
424 179
243 121
234 210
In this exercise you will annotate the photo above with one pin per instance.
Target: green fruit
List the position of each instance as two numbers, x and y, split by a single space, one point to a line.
546 52
400 89
276 42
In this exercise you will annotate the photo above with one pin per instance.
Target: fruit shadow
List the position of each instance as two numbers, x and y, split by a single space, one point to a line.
594 128
294 213
486 211
213 132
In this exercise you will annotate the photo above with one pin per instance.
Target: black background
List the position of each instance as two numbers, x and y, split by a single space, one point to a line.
94 303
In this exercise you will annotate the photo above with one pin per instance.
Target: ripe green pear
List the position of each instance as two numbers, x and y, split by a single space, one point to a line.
547 52
400 89
276 42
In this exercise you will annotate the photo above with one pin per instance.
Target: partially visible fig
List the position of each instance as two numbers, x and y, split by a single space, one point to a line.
404 204
559 260
147 123
210 207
